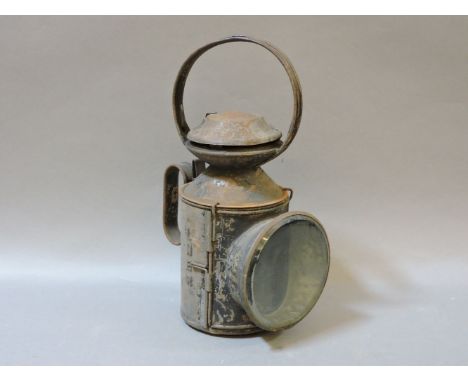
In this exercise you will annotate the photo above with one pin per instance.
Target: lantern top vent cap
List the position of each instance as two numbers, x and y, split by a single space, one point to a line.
230 153
233 129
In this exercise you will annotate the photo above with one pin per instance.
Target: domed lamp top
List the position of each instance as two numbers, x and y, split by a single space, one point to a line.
234 129
234 139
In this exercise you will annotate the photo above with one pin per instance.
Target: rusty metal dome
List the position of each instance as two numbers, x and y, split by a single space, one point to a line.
233 129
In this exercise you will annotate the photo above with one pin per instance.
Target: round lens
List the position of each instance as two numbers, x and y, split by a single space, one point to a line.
289 271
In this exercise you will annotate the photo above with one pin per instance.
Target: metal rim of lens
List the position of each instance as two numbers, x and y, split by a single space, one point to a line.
255 251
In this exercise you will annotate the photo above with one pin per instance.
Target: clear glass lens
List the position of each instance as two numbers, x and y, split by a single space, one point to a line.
290 273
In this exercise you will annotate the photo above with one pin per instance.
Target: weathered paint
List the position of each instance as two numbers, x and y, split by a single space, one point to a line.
233 129
219 205
206 235
228 155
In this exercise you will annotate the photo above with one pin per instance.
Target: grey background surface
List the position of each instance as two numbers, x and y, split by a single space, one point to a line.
86 131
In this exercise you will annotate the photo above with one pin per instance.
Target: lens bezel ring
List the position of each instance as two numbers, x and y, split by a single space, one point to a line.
251 260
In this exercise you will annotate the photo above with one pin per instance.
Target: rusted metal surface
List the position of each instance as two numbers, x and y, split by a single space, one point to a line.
233 129
230 211
249 188
171 195
229 157
171 198
236 156
208 236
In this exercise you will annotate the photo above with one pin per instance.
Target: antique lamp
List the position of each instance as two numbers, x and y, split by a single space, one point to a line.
247 263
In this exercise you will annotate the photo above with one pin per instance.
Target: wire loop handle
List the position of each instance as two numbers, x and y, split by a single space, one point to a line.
179 86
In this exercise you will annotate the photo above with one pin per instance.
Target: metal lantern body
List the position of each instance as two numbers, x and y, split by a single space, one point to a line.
247 263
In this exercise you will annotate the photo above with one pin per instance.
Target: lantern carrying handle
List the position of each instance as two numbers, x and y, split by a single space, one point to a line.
179 86
171 198
188 171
